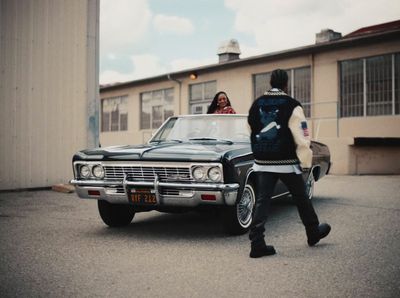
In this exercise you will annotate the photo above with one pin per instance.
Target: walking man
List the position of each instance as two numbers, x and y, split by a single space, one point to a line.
281 147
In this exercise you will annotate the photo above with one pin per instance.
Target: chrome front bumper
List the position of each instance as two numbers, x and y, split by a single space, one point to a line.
189 195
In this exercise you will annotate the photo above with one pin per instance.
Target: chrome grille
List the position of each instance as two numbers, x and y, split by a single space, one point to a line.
147 173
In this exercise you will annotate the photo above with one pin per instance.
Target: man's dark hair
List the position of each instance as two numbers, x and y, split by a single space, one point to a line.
279 79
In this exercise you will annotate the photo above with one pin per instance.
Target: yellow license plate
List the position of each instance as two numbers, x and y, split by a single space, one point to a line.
143 197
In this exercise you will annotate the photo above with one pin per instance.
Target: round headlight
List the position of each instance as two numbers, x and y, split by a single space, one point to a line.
84 171
214 174
98 171
199 173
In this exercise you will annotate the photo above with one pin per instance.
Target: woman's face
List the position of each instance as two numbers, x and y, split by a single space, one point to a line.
222 100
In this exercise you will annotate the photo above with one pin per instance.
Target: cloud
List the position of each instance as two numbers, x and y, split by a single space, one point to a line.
186 63
113 76
123 24
126 40
280 25
111 56
173 24
127 43
146 65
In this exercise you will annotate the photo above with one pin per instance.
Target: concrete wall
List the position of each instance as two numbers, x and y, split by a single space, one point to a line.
48 88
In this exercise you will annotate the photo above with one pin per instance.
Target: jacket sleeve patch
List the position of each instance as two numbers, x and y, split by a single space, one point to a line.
304 128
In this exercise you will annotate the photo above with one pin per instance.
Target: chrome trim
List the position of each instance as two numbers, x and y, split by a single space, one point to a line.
124 184
200 186
96 183
222 197
281 195
156 188
146 165
141 163
225 194
230 198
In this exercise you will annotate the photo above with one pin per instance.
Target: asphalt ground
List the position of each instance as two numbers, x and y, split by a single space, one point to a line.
55 245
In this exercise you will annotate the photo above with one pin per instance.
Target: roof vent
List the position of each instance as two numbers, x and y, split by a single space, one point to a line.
327 35
228 51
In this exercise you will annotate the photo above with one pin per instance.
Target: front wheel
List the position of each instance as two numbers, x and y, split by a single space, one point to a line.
310 185
237 219
115 215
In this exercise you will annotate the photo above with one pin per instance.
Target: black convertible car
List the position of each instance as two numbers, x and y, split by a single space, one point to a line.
192 162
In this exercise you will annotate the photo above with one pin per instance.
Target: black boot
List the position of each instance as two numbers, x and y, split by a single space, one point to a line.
314 234
261 249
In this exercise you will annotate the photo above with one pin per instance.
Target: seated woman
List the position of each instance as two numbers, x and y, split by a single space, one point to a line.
220 104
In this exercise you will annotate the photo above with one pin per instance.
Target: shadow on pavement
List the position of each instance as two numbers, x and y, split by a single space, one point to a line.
188 225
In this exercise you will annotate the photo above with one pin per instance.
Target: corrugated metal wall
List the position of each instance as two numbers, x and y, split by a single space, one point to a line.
48 84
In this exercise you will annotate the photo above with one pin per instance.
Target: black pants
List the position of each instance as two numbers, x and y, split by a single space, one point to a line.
265 183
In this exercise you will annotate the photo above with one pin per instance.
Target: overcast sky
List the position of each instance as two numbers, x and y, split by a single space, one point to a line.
145 38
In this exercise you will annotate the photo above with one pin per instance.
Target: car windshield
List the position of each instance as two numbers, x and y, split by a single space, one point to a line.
221 128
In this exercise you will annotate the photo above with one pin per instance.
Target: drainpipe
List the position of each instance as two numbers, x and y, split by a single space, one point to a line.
180 92
312 93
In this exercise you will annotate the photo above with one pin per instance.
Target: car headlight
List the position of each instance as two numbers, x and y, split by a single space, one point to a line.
98 171
199 173
214 174
84 171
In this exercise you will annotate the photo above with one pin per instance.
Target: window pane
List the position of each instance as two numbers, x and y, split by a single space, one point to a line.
123 113
114 120
379 85
261 84
157 106
302 88
210 89
157 99
105 121
146 111
351 88
123 118
196 92
200 94
156 116
111 111
168 103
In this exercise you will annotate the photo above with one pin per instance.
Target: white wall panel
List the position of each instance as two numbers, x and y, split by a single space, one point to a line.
48 78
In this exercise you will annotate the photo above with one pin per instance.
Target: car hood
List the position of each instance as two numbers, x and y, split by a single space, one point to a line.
199 151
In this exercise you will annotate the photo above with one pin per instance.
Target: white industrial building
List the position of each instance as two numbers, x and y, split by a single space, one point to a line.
349 86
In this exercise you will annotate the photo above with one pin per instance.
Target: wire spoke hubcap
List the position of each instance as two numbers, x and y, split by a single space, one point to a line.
245 207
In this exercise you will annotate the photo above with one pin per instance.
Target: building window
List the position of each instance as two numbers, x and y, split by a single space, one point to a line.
156 107
370 86
299 86
114 113
261 83
351 88
200 96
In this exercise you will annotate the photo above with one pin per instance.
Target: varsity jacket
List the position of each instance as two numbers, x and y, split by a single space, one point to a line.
279 133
